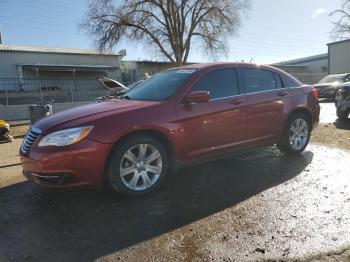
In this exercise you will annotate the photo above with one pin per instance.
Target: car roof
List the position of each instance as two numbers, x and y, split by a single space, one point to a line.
222 64
241 64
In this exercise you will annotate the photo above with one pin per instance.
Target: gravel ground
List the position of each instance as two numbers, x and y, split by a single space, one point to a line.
259 206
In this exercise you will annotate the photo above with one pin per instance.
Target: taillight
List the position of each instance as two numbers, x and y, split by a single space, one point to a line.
314 93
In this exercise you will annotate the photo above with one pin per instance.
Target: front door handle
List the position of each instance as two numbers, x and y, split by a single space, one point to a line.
237 102
282 94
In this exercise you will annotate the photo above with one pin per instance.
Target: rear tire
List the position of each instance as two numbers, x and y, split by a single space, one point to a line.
137 166
296 134
342 114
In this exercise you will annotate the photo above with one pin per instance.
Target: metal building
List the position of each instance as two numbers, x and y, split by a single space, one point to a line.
25 69
309 70
339 57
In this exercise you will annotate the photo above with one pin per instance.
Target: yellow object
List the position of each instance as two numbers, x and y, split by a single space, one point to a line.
4 124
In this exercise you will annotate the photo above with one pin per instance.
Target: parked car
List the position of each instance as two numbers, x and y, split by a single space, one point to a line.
177 118
342 101
330 85
115 88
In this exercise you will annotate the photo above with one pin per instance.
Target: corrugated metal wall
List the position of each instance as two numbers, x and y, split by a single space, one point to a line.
9 61
339 54
14 79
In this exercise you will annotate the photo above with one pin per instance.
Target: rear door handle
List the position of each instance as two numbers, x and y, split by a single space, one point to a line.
237 102
282 94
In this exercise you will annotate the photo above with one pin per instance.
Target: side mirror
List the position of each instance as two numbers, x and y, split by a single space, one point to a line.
198 97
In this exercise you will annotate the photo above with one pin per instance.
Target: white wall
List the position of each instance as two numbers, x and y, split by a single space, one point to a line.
339 54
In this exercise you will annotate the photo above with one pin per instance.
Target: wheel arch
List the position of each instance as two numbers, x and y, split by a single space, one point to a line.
301 110
156 134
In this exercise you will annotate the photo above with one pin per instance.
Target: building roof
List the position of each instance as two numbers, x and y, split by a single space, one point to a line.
303 60
339 42
51 50
50 67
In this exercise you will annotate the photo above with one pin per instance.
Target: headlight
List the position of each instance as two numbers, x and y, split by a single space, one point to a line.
65 137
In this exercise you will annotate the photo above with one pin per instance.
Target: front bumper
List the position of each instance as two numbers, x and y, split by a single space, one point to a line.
75 166
327 94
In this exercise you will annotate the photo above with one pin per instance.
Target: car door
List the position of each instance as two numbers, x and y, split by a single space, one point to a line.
218 125
267 102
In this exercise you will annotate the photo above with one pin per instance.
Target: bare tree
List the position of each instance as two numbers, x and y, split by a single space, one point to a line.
169 25
342 25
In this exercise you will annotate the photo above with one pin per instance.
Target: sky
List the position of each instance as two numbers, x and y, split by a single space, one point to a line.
272 31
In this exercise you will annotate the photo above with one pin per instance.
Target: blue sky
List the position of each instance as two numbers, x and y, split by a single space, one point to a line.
272 31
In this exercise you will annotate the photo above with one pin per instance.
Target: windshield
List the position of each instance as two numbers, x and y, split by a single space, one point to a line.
133 85
332 79
161 86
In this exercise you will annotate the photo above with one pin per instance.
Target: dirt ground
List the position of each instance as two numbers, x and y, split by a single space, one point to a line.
334 134
259 206
19 131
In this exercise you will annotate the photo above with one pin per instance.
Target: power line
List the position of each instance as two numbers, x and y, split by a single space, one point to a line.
273 46
30 20
34 14
36 28
60 5
39 8
244 49
255 44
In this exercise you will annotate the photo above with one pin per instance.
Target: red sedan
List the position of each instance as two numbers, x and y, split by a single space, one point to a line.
178 117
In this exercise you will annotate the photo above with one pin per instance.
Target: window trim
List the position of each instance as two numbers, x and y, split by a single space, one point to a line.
281 80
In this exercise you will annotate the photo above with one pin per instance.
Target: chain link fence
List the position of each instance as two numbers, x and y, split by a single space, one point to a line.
17 91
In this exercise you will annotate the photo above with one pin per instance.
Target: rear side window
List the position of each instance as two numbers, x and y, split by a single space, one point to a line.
259 80
291 82
220 83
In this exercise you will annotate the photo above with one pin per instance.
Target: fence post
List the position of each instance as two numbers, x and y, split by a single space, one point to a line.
41 94
38 80
7 97
71 93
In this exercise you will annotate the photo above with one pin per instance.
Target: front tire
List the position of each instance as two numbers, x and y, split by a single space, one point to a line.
296 134
342 114
137 166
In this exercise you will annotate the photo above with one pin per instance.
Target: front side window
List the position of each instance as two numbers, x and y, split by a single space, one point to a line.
160 86
220 83
258 80
290 81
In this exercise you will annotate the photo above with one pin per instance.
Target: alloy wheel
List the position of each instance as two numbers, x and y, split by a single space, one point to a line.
140 167
298 134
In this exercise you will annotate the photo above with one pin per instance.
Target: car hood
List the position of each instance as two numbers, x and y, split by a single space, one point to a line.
88 113
324 86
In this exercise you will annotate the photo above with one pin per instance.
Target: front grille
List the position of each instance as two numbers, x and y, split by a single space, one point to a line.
29 139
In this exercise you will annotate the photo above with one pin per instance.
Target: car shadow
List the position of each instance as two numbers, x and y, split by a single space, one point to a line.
342 124
85 225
